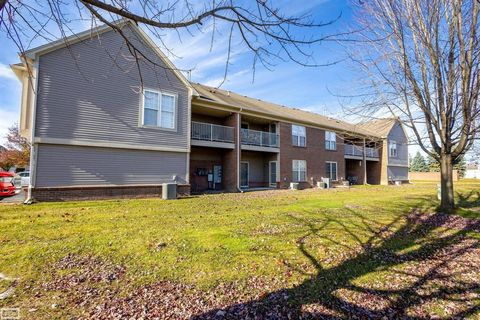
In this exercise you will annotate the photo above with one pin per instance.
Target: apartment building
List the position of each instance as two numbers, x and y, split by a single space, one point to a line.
101 128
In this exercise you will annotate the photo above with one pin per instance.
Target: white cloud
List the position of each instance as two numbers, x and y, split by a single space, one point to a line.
6 72
232 80
8 117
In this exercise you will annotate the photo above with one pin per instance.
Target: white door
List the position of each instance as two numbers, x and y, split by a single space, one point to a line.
272 169
244 174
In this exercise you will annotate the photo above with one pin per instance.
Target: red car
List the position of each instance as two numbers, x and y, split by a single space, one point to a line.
6 184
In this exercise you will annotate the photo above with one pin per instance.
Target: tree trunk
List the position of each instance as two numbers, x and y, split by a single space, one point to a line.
447 203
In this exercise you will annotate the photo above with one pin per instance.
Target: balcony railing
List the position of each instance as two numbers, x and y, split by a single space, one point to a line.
259 138
371 152
212 132
353 150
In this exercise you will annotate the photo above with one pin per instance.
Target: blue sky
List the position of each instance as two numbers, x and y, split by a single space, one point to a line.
288 84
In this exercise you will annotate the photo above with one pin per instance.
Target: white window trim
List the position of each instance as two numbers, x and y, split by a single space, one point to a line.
390 144
327 133
336 170
270 182
175 110
298 137
293 169
248 175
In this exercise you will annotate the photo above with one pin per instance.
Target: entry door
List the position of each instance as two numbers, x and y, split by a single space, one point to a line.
272 169
244 174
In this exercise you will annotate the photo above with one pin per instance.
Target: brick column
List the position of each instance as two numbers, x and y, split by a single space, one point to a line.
384 163
231 163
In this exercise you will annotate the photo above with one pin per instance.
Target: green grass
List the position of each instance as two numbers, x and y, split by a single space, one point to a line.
214 239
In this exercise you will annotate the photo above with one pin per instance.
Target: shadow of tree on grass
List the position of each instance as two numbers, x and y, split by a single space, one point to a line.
429 263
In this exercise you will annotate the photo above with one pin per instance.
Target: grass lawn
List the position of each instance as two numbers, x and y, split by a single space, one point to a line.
369 251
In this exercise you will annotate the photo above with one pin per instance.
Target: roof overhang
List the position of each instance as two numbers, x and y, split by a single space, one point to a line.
204 102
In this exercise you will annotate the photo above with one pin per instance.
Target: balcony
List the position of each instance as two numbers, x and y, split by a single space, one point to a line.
212 135
354 151
259 140
371 152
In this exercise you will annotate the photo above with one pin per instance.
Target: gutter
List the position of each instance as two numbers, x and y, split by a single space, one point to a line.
33 149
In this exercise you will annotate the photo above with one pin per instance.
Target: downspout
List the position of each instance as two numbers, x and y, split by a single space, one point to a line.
239 150
364 160
189 133
33 149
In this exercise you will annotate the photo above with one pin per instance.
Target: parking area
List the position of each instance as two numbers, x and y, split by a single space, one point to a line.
19 197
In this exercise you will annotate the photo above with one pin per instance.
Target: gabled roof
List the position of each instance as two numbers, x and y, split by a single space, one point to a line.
78 37
373 129
258 106
379 127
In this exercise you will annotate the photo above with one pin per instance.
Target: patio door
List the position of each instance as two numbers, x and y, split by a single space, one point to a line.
244 174
272 173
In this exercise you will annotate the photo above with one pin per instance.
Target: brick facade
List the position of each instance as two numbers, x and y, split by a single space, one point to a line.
314 153
103 192
374 170
204 159
231 157
354 168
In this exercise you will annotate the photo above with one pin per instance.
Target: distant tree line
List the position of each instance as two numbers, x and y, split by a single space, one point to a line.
421 164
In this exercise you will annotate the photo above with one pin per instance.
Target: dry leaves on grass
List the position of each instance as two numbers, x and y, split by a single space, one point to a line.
441 281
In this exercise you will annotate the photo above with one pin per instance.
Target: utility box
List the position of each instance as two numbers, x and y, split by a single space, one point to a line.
321 184
169 191
326 181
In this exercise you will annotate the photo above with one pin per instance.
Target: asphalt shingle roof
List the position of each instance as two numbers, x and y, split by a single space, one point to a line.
267 108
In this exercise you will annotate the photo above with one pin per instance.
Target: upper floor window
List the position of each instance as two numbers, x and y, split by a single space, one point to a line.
330 140
159 109
299 136
392 148
331 170
299 172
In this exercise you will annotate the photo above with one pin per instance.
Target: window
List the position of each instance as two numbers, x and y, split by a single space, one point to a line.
299 135
331 170
299 170
330 140
159 109
392 147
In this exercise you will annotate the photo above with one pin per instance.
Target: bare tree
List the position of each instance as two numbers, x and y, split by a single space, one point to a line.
420 62
270 35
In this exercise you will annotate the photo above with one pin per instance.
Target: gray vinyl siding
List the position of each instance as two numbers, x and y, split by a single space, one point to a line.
92 91
62 165
397 134
397 173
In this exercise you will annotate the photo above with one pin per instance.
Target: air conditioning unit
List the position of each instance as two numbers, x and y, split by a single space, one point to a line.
294 185
169 191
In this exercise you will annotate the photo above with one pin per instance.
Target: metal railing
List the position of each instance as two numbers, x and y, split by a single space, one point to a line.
353 150
259 138
371 152
211 132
